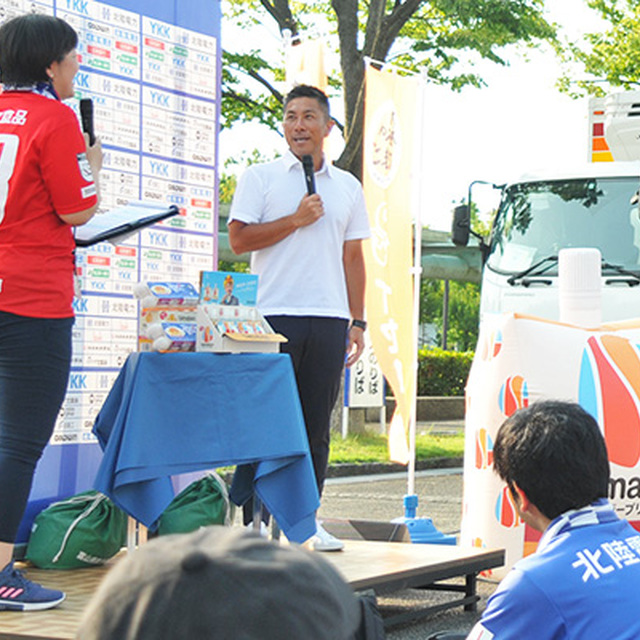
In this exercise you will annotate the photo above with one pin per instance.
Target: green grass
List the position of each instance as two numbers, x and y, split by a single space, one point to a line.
360 448
368 447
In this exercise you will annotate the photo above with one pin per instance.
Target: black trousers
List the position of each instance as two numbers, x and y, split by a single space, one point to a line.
35 359
317 346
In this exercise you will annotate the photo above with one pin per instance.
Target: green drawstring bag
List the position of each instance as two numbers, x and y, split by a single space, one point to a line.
204 502
84 530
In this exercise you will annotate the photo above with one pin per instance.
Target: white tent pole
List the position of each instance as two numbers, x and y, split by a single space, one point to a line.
417 273
417 270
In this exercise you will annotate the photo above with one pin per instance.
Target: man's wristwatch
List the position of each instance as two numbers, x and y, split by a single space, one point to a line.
361 324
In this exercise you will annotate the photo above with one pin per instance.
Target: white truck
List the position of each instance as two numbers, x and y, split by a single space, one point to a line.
595 205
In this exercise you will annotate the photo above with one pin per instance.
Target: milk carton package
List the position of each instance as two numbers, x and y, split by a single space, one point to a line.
172 336
155 294
174 313
175 335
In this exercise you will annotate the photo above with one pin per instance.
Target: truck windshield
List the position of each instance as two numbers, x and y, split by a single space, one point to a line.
537 219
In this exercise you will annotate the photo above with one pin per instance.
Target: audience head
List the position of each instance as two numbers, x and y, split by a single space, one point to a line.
221 583
555 453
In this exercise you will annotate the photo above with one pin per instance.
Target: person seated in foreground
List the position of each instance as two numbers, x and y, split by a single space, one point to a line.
221 583
584 579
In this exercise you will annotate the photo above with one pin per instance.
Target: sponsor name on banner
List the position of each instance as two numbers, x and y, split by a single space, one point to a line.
366 384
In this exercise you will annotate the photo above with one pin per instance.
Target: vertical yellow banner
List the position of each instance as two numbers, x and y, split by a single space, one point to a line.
305 64
389 136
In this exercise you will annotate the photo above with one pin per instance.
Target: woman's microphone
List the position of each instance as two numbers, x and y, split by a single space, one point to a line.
86 117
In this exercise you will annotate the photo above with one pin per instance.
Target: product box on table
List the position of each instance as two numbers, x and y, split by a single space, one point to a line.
167 320
227 317
169 336
224 329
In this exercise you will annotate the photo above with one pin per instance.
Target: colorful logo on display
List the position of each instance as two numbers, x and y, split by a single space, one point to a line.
479 543
609 389
484 449
491 347
531 540
514 395
506 512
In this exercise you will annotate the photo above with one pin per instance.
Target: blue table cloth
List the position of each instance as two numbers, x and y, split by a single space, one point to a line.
174 413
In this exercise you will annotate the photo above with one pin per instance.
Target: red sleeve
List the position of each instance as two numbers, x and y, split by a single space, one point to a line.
64 165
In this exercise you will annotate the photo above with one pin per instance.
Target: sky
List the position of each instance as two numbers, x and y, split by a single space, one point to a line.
518 123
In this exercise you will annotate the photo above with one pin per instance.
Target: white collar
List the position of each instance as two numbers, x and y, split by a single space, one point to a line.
598 512
290 161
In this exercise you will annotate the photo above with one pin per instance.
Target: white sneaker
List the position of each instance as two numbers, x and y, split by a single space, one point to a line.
264 529
324 541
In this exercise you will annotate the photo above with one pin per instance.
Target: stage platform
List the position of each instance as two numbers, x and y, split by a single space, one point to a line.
373 560
61 622
384 567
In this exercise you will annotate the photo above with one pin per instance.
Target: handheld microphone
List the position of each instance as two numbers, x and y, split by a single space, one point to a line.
309 174
86 117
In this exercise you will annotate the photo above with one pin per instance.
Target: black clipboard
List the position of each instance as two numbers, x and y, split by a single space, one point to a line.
116 225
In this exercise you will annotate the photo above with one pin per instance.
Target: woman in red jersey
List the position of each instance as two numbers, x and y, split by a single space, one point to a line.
48 185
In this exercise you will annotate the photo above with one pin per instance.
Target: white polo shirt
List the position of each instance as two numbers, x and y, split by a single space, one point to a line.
302 275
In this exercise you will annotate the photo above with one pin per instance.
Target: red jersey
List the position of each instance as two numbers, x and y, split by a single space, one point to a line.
44 173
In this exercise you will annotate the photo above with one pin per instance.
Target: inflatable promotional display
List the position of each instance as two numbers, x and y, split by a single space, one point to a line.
521 359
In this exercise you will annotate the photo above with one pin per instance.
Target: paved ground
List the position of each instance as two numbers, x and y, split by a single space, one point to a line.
379 497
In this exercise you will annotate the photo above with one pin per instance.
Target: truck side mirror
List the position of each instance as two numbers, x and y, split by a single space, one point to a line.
461 225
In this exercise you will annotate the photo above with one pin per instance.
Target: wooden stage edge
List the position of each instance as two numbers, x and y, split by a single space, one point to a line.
384 567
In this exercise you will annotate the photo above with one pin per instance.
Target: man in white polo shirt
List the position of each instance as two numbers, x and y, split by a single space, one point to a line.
307 250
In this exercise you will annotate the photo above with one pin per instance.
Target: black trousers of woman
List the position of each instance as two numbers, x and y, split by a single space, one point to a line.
35 360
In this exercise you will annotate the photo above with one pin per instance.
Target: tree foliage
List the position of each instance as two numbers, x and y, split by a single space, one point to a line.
241 104
463 317
443 39
463 312
443 373
610 57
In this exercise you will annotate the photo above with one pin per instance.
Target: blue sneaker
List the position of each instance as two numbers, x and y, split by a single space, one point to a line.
19 594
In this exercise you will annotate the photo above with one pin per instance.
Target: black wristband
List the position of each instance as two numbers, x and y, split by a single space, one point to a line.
361 324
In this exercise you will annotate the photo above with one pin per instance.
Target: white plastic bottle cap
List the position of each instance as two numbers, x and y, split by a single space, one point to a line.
154 330
161 344
140 290
148 301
